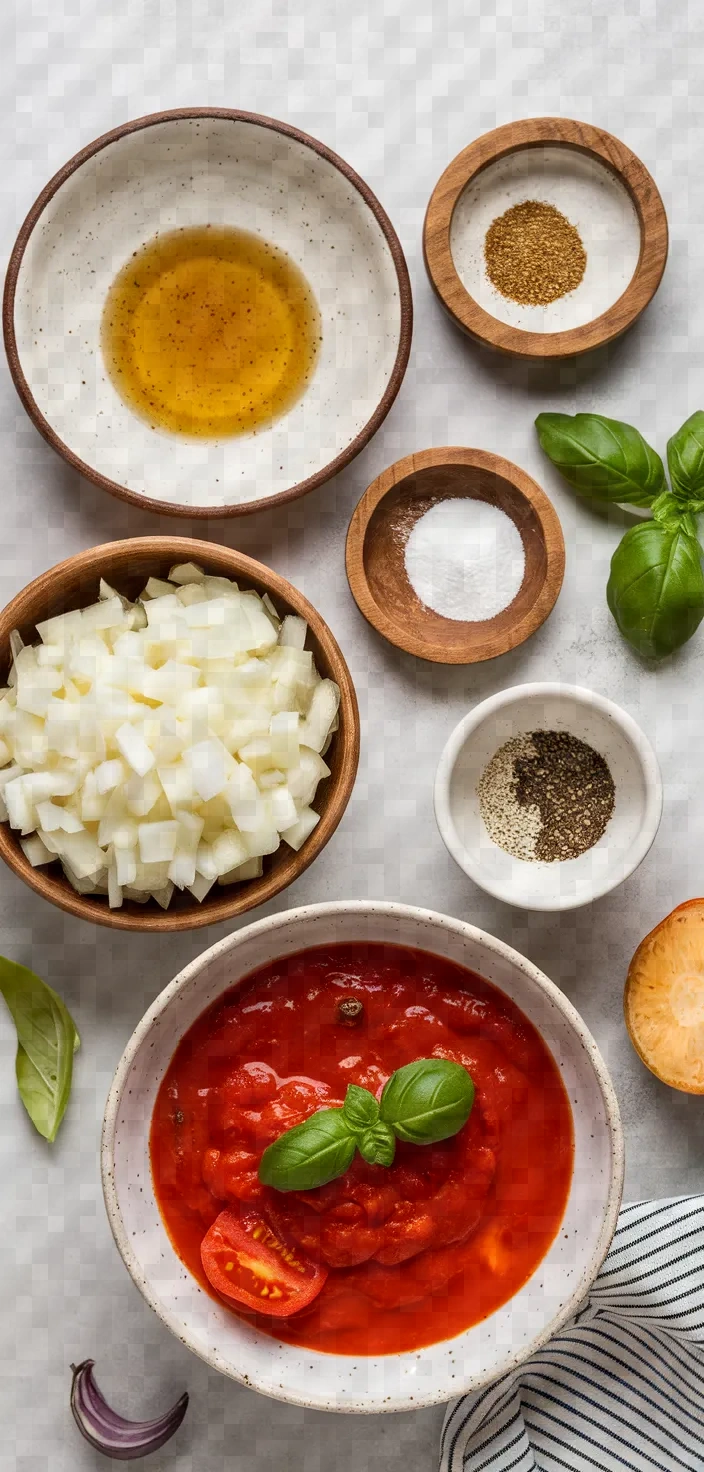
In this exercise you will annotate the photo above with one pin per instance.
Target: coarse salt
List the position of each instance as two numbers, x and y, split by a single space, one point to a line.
465 559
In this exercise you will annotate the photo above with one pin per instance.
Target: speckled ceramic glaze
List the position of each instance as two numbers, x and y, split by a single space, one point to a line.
340 1382
628 836
193 168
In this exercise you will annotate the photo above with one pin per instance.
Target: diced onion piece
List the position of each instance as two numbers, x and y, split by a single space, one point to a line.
19 806
297 834
169 682
93 803
244 800
262 841
82 853
283 808
270 606
125 865
141 794
321 714
293 632
284 737
303 780
163 896
157 588
109 775
206 865
270 779
53 818
114 889
210 764
157 842
186 572
228 851
201 887
134 749
251 869
35 851
258 754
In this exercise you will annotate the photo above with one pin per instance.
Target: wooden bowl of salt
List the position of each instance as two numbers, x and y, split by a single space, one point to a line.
455 555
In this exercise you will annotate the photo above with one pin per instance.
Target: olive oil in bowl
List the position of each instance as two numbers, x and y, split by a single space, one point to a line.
210 331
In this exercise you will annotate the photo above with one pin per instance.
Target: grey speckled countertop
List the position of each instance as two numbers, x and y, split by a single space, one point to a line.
397 88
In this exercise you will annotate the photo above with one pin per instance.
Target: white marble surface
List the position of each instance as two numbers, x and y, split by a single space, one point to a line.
398 89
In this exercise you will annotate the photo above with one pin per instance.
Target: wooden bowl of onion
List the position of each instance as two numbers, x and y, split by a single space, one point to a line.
179 735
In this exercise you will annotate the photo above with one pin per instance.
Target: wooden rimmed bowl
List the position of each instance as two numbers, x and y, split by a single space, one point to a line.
199 166
381 525
601 187
126 566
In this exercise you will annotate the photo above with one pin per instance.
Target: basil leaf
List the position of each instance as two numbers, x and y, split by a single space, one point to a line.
656 587
428 1100
685 459
360 1109
46 1042
378 1145
310 1154
602 457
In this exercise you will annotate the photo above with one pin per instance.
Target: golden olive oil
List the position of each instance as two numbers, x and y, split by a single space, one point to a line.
210 331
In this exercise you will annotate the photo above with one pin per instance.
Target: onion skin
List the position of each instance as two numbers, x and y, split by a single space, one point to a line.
112 1434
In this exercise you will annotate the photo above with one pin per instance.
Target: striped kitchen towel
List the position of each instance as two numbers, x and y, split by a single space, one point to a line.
622 1385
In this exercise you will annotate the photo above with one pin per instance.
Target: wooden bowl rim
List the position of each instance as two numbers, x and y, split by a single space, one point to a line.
172 508
402 636
233 901
514 138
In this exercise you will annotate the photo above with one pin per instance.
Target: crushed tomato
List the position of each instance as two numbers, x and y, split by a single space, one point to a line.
395 1257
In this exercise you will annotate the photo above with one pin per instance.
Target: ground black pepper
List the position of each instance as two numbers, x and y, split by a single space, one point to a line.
546 795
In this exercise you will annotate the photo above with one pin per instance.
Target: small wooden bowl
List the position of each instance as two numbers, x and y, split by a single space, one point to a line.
610 161
126 566
383 521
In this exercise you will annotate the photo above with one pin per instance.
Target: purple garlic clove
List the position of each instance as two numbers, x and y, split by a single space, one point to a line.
112 1434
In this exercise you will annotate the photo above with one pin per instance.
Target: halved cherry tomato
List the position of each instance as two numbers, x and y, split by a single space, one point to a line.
245 1260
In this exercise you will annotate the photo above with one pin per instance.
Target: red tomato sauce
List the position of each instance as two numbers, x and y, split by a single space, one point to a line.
415 1252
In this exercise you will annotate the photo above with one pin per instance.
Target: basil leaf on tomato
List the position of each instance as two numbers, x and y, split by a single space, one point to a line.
656 587
360 1109
46 1042
378 1145
603 458
427 1101
685 459
310 1154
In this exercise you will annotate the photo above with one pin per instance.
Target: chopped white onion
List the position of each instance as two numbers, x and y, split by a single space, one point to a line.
168 743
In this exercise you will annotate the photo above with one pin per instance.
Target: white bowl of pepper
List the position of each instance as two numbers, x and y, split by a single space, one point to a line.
548 796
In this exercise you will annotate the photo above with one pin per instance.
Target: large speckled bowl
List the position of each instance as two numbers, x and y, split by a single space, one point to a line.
200 166
341 1382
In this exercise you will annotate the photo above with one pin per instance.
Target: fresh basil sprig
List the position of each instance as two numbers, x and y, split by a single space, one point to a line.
656 586
427 1101
685 459
602 457
46 1042
424 1102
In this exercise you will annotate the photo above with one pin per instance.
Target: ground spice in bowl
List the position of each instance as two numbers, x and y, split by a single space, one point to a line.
533 254
546 795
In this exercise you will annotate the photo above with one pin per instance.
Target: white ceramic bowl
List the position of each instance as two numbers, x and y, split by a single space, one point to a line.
604 726
203 166
340 1382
